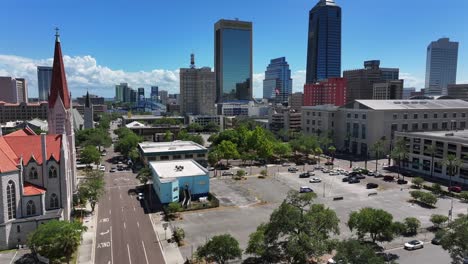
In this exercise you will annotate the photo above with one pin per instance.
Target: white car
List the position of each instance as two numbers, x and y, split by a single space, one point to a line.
315 180
414 244
325 170
334 173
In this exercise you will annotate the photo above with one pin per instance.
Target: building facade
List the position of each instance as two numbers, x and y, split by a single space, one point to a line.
441 66
95 99
125 94
175 150
233 60
197 90
284 121
360 83
388 90
88 113
23 111
407 92
324 42
204 120
14 90
458 91
423 161
154 93
296 100
359 124
329 91
277 85
163 96
44 79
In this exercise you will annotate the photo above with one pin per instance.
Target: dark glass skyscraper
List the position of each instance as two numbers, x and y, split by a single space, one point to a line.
233 60
278 83
324 42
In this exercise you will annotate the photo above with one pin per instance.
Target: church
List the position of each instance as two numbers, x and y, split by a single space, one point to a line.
38 172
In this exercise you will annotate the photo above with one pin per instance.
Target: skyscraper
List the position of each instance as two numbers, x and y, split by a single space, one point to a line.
154 93
13 90
44 78
278 83
441 66
197 90
233 60
141 94
163 94
324 42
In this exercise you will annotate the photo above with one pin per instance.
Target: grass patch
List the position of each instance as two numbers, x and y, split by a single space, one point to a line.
7 251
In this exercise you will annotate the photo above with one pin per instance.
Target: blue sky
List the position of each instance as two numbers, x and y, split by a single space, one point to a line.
145 42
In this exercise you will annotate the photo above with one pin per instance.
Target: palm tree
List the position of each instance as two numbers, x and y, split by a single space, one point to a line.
452 163
317 152
399 153
431 150
378 147
144 176
331 151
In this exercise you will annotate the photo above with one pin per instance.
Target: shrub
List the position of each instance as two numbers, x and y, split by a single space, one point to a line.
240 173
399 228
412 224
418 181
179 235
416 195
464 196
429 199
438 220
264 173
436 189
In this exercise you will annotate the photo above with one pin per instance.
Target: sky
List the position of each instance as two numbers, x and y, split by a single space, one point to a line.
144 43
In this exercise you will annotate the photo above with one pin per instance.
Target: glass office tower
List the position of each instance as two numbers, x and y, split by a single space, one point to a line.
233 60
324 42
441 66
277 84
44 77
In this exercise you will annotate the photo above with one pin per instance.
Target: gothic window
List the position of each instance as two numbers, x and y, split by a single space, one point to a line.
30 208
33 173
54 203
52 172
11 200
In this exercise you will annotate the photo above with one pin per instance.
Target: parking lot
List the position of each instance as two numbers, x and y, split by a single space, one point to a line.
247 203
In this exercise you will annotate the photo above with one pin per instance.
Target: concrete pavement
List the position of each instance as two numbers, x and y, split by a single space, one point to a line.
171 250
87 247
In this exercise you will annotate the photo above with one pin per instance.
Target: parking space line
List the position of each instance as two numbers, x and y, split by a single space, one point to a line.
112 246
125 226
129 259
11 262
138 224
144 250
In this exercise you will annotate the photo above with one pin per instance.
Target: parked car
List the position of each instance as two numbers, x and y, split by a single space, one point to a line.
102 168
285 164
414 244
328 163
300 162
305 189
360 176
436 241
292 169
334 173
113 170
378 175
304 175
401 181
371 185
227 173
325 170
345 179
456 189
315 180
353 180
120 168
388 178
318 167
371 173
140 196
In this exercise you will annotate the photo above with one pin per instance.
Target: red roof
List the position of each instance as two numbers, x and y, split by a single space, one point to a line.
59 87
31 189
12 148
27 131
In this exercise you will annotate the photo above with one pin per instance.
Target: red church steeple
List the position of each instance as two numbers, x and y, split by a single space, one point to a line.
58 87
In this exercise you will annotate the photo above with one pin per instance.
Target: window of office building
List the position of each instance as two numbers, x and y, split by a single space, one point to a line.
356 116
404 127
425 116
355 130
437 167
425 126
415 116
405 116
415 163
395 116
435 115
454 115
445 115
414 126
435 126
164 158
348 115
363 131
364 116
444 125
462 125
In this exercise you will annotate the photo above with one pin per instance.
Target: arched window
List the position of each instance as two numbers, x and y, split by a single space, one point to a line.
11 200
33 173
30 208
52 172
54 202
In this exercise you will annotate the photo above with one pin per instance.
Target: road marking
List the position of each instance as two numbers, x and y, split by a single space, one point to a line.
129 259
112 246
138 224
11 262
144 250
103 245
104 233
120 196
134 208
109 211
109 197
125 226
104 220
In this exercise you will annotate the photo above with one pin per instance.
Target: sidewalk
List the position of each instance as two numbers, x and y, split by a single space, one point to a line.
87 246
170 251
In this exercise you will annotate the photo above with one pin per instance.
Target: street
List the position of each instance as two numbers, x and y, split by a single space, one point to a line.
124 232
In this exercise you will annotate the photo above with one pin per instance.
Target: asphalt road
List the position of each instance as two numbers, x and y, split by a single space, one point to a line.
124 231
429 254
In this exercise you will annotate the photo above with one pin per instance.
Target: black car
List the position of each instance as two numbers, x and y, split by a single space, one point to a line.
360 176
292 169
353 180
345 179
304 175
436 241
401 181
371 185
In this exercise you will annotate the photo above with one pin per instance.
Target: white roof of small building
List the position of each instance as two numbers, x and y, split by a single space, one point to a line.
170 170
135 124
414 104
460 136
174 146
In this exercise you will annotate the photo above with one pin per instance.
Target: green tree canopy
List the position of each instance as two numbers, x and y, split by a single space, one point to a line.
90 154
418 182
227 150
220 249
127 142
93 187
455 239
412 224
376 223
56 240
438 220
353 252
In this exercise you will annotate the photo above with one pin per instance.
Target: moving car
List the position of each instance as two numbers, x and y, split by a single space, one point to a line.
305 189
315 180
304 175
292 169
371 185
140 196
456 189
414 244
228 173
113 170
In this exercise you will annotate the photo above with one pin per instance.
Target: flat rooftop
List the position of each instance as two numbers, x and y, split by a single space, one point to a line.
414 104
167 171
460 136
149 117
174 146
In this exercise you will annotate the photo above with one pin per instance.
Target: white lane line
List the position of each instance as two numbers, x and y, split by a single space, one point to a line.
138 224
11 262
120 196
134 208
109 197
112 246
144 250
125 226
109 211
129 259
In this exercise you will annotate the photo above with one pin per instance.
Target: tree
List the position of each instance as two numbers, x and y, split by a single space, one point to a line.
400 153
452 163
282 149
90 154
378 148
424 197
167 136
220 249
211 127
127 142
436 189
317 152
412 224
56 240
144 176
418 182
93 187
464 196
240 173
227 150
173 208
399 228
376 223
194 127
134 155
353 252
455 239
296 231
438 220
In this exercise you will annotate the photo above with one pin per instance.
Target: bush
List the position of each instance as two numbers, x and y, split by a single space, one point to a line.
416 195
173 208
438 220
436 189
264 173
399 228
412 224
240 173
429 199
464 196
418 181
179 235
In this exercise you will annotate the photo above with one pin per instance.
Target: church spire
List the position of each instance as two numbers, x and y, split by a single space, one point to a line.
88 100
58 87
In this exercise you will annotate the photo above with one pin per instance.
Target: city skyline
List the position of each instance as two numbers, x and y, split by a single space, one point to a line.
146 61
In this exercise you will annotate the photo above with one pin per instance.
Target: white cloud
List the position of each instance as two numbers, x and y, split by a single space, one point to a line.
412 80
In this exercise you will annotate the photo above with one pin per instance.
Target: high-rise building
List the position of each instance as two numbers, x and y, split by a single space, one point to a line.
441 66
330 91
277 85
119 92
296 101
233 60
458 91
154 93
141 94
324 42
13 90
407 92
388 90
197 90
163 95
44 78
125 94
88 113
360 83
